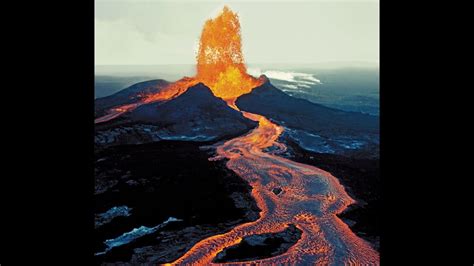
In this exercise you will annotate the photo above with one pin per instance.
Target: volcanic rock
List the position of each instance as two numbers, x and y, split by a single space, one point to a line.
195 115
261 246
302 114
171 179
313 126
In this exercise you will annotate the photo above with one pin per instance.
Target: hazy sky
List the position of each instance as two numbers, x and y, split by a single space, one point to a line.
139 32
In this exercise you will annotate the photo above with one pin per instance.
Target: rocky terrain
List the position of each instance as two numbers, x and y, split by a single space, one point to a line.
298 113
155 201
261 246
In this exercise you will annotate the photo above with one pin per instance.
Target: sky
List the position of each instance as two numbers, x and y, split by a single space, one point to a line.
155 32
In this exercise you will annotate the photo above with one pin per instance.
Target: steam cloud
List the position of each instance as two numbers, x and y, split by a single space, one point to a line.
296 80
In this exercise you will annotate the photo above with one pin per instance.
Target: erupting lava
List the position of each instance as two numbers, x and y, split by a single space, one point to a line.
310 198
220 63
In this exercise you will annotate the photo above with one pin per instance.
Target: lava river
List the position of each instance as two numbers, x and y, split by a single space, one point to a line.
310 199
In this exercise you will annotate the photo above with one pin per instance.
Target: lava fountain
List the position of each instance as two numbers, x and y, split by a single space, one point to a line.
220 62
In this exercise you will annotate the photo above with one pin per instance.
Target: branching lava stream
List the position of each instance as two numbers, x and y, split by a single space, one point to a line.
310 199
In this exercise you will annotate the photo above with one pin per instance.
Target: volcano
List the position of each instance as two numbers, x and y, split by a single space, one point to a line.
239 128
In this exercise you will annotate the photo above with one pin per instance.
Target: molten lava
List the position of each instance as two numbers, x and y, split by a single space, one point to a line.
171 91
310 199
220 63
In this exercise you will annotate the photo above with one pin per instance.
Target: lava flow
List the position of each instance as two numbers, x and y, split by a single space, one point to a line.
169 92
310 199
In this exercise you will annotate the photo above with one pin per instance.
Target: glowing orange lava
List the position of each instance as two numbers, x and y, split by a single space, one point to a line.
310 199
220 63
171 91
167 93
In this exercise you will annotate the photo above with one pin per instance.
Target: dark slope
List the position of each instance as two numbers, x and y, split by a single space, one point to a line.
195 115
129 95
197 103
301 114
197 112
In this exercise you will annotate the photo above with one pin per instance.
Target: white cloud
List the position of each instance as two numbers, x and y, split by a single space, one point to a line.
304 86
297 80
289 86
165 30
122 42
